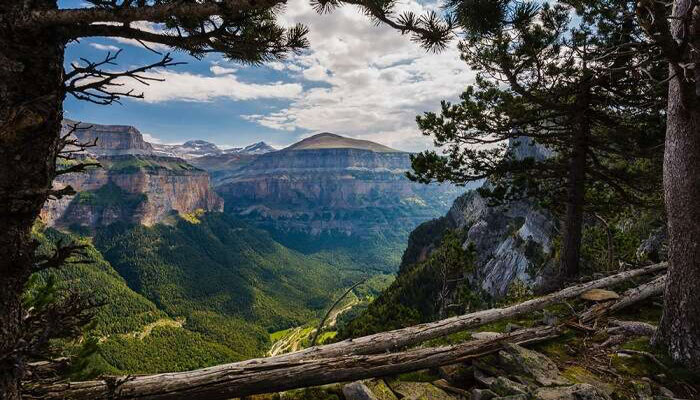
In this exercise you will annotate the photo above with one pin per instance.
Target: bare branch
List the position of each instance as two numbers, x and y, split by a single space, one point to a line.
93 82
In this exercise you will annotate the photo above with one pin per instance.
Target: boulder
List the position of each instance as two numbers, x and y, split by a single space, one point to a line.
358 391
518 360
380 389
482 378
581 391
503 386
444 385
455 374
419 391
483 394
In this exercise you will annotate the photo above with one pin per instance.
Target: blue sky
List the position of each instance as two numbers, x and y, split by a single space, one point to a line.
356 80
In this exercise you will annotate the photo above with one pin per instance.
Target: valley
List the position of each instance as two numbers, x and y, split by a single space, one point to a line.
214 250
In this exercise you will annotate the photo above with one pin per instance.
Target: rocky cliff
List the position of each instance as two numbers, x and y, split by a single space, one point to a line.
134 185
315 188
109 140
513 242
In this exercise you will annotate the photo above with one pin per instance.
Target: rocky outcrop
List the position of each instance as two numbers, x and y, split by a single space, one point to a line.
513 242
134 189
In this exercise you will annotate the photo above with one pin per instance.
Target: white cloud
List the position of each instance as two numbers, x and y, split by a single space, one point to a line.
186 86
150 138
376 80
103 47
219 70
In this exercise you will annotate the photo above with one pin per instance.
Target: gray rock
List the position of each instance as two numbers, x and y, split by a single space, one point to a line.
358 391
380 389
419 391
581 391
514 397
482 378
482 394
665 392
510 327
655 247
521 361
503 386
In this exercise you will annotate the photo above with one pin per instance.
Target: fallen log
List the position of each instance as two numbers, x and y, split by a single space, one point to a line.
351 359
631 296
274 375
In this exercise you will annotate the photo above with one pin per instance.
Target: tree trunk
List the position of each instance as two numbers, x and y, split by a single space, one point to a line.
679 330
575 191
31 80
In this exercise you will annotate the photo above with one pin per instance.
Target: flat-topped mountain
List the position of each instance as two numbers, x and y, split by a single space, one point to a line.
109 140
327 188
332 141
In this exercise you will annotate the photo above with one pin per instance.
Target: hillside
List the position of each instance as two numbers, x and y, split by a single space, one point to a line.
332 141
129 326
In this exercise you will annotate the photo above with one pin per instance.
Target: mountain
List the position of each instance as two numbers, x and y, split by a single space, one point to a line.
194 149
253 149
109 140
332 141
327 193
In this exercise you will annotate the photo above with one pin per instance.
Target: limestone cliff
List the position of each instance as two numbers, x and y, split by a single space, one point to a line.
316 188
109 139
134 185
513 242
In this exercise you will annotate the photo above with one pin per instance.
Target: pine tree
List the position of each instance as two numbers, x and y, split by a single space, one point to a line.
33 85
678 37
568 76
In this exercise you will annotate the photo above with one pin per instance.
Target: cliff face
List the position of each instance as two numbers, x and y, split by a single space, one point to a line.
133 185
348 190
110 139
513 242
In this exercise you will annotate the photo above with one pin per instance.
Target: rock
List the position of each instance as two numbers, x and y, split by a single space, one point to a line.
549 319
503 386
380 389
665 392
519 360
358 391
514 397
655 247
643 390
455 374
482 378
485 335
579 391
419 391
600 295
482 394
512 327
444 385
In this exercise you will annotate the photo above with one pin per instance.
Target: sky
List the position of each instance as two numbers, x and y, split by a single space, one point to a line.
356 79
